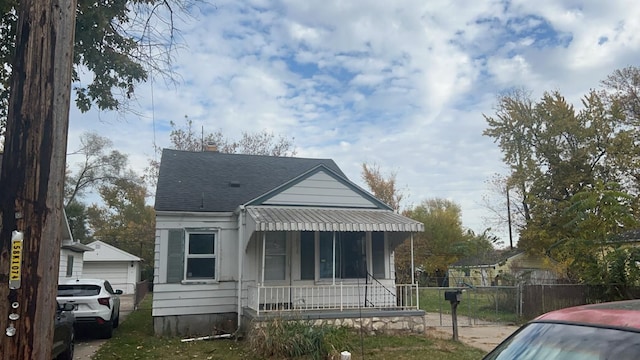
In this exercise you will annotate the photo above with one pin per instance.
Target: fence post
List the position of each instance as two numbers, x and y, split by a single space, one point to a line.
521 302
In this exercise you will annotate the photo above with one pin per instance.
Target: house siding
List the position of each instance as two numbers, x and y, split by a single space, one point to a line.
320 189
77 264
196 308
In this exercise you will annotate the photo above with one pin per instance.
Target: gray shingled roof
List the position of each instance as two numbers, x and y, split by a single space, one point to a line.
202 181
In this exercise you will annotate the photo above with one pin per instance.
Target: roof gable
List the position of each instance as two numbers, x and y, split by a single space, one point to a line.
320 186
105 252
216 182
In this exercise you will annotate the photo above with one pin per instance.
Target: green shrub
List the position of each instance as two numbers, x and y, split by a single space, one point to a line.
292 339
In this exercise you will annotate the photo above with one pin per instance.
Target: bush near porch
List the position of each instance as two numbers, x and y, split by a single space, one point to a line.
135 340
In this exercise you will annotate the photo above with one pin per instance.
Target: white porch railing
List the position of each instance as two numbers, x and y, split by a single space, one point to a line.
337 297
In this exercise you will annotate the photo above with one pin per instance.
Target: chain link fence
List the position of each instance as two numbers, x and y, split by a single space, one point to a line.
478 305
498 305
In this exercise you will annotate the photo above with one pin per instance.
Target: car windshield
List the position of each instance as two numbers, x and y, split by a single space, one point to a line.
78 290
568 342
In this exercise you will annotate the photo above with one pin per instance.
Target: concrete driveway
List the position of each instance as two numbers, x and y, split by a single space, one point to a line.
88 344
485 337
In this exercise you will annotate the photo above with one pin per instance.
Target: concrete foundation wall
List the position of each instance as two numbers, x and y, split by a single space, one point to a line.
194 325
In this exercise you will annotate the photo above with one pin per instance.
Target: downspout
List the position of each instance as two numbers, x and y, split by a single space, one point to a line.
241 215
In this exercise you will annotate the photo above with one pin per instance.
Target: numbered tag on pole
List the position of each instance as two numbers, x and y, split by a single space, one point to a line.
15 267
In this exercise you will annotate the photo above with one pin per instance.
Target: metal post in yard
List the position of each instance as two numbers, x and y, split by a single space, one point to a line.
454 298
497 296
471 317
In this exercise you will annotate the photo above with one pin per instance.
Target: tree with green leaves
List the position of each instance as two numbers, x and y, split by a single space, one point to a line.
554 151
117 44
597 215
442 243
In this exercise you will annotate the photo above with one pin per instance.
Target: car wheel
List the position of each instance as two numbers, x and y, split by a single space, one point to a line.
107 330
68 352
116 321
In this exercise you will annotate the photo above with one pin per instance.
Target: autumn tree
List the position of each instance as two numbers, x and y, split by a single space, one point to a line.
554 151
76 212
384 188
443 241
124 220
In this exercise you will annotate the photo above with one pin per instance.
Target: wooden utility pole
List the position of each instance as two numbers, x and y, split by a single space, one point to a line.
32 177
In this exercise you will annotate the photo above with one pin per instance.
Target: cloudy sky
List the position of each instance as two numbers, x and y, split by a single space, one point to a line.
402 84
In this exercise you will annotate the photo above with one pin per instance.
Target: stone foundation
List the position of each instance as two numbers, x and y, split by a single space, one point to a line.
403 324
380 325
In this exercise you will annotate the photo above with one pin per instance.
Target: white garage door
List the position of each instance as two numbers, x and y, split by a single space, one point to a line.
115 272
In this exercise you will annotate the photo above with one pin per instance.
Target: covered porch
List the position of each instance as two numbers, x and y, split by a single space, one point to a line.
326 260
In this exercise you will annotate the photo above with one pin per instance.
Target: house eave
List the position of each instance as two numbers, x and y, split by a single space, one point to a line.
195 213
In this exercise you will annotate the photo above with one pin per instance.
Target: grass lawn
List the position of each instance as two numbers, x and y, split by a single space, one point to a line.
134 339
496 305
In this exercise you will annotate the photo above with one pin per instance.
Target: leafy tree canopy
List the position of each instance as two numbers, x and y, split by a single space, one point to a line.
117 43
575 171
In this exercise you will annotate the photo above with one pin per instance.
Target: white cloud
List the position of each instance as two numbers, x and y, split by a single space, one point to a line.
403 84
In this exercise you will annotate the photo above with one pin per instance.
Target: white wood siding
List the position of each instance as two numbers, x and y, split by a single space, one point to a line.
320 189
193 299
77 264
177 299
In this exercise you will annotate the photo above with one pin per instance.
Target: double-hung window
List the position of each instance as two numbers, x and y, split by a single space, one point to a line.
200 255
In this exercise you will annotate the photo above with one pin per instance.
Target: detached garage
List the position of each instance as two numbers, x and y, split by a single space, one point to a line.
108 262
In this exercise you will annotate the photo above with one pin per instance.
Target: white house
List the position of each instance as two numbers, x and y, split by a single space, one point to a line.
121 268
244 237
72 254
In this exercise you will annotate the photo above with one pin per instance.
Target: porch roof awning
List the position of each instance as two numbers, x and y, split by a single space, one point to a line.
276 218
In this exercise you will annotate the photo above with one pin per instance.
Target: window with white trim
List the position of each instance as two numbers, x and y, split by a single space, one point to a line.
69 272
200 255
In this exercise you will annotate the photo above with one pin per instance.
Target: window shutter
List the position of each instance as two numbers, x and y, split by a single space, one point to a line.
175 257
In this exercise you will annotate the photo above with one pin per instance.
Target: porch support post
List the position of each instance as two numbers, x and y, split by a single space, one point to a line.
241 262
264 246
413 270
333 275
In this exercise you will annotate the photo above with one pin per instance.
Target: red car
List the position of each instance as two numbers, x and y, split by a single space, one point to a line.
599 331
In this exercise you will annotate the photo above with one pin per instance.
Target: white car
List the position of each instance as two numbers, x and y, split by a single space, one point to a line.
96 304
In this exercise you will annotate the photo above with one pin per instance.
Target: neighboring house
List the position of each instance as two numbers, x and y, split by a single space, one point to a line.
71 252
245 237
503 267
110 263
